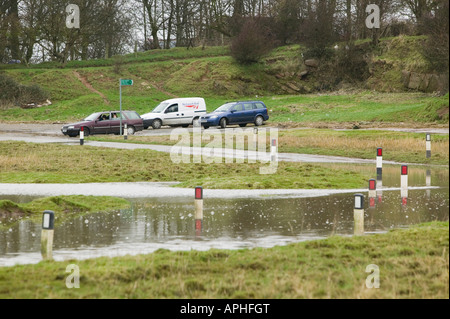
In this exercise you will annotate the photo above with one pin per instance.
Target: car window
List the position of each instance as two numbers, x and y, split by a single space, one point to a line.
115 116
248 106
259 106
172 109
239 107
132 115
104 117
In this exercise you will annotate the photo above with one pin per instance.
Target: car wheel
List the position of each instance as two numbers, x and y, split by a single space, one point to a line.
259 121
87 132
131 130
73 135
206 127
242 125
223 123
196 122
157 124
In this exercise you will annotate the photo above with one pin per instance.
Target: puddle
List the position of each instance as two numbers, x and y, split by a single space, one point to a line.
250 221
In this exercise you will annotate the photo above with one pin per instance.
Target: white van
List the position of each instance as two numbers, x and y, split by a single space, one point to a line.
176 112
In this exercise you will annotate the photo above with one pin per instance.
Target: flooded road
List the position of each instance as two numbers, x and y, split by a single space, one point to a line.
256 220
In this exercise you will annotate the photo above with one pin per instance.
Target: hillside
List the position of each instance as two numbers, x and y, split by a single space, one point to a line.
292 88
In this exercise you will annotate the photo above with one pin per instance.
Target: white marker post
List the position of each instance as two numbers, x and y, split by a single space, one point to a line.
428 182
198 210
82 136
372 192
359 215
125 132
404 184
379 167
48 225
428 145
273 151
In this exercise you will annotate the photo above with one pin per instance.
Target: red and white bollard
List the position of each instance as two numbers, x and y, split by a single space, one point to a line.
404 184
198 210
82 136
372 192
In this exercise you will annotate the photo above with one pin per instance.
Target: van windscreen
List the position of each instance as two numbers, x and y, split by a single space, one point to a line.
160 108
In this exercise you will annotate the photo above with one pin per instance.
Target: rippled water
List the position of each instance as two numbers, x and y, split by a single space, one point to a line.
152 223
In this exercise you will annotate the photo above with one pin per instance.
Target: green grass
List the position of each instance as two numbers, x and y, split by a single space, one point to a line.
63 206
413 264
400 147
213 74
32 163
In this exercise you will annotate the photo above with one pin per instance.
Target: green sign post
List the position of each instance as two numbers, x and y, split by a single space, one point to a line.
123 83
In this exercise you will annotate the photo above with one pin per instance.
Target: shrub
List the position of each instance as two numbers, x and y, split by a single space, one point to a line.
14 94
252 43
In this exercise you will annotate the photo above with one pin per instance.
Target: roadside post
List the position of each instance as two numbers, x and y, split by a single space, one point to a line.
273 151
359 214
48 225
123 83
198 210
404 184
82 136
372 192
428 145
379 167
125 133
428 182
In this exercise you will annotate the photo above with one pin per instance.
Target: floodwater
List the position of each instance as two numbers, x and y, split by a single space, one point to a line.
169 223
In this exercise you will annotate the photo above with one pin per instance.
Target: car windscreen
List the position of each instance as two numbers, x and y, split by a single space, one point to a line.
160 108
226 107
93 117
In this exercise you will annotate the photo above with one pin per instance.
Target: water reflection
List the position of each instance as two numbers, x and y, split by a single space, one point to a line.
151 224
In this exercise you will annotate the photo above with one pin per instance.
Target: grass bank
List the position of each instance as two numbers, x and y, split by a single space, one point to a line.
413 264
397 146
65 206
33 163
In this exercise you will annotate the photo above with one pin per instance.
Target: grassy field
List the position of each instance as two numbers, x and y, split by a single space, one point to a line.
413 264
397 146
66 206
213 74
33 163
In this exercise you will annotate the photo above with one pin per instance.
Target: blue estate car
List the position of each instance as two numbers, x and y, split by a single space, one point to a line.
239 113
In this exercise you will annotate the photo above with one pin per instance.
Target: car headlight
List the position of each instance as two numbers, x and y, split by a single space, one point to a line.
214 117
71 127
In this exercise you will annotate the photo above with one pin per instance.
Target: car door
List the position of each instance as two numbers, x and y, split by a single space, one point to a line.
172 115
236 114
115 123
103 124
249 113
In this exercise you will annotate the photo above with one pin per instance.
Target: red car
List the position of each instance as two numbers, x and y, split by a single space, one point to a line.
106 123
